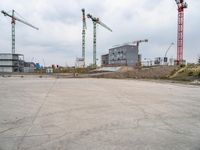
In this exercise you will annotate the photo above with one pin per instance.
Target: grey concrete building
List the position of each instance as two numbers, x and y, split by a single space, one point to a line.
125 55
105 60
11 62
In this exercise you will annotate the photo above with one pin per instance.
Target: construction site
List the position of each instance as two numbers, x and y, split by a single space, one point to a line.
110 96
121 61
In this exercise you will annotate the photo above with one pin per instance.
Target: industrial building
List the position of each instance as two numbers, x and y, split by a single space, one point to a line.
11 62
124 55
29 67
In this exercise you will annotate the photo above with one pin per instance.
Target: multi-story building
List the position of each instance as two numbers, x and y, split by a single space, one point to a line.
11 62
105 60
125 55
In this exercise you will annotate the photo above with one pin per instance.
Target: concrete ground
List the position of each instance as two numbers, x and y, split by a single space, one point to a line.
98 114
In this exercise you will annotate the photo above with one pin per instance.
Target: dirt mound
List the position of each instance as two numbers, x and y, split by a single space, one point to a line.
187 73
149 73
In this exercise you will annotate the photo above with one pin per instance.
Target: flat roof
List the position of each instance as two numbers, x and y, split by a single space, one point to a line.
10 54
126 45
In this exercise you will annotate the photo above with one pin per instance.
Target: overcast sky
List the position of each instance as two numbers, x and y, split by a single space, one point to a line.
59 39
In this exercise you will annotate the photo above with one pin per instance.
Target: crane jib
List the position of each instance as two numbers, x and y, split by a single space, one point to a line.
22 21
13 19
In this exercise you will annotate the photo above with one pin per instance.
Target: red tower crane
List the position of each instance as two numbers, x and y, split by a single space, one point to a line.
181 6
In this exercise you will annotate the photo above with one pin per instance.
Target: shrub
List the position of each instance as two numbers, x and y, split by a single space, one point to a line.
190 73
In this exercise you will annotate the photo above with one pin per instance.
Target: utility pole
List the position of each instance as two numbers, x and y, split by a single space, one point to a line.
165 57
168 49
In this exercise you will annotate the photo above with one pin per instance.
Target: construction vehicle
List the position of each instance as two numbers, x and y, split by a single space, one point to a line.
13 21
95 22
181 6
83 35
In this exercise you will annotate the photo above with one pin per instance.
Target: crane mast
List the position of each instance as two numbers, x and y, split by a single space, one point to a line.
95 43
13 22
181 6
13 31
95 22
83 34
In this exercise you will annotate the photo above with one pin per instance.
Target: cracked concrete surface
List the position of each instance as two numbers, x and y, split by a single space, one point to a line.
100 114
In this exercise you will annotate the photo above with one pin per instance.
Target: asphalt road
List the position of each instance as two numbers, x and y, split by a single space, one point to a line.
98 114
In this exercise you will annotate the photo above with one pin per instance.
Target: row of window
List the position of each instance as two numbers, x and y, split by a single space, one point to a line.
117 52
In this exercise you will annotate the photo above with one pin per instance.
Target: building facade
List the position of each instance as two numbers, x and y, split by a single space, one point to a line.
80 63
11 62
29 67
125 55
105 60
